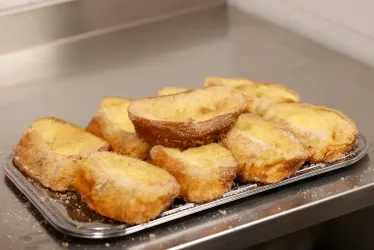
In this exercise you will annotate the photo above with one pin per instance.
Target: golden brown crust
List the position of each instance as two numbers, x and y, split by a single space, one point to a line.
34 153
120 135
188 119
265 152
226 81
171 91
205 173
329 134
124 188
260 95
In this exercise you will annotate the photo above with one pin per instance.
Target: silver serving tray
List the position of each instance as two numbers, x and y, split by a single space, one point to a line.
68 214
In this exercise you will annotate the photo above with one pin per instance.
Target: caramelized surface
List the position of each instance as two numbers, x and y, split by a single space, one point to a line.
115 109
124 188
328 133
224 81
50 148
111 122
65 138
265 152
198 105
262 95
205 173
171 91
123 169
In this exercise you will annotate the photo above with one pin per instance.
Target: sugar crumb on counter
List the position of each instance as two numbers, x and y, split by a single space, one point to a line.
223 212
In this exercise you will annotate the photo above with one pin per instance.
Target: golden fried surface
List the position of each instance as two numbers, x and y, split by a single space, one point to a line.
50 148
171 91
205 173
124 188
111 122
225 81
328 133
192 118
265 152
260 95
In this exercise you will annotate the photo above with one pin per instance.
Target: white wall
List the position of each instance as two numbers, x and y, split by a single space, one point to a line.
344 25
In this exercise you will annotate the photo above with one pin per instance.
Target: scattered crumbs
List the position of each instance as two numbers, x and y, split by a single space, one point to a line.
223 212
79 225
279 208
107 244
152 236
65 244
230 226
342 178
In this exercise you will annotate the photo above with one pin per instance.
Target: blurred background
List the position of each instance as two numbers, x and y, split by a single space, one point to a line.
13 4
343 25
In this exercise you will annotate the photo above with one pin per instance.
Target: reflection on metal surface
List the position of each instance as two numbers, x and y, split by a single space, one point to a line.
63 19
43 67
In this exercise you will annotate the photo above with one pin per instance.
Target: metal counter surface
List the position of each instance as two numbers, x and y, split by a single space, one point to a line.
69 79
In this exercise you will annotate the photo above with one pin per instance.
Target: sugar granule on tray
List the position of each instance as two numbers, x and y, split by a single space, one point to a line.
223 212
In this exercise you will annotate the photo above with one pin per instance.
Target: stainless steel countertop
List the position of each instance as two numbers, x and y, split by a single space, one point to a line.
69 79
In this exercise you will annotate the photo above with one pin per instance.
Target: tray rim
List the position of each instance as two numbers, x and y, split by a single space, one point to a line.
59 221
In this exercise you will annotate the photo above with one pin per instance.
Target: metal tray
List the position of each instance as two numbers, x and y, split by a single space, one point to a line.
66 212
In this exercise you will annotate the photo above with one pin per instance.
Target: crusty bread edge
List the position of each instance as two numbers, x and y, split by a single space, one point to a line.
328 157
98 126
159 157
184 134
45 169
97 199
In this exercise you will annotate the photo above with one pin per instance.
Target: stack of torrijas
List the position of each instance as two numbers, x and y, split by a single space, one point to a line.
137 156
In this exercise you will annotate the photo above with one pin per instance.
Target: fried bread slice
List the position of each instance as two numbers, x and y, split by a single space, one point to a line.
125 189
50 148
171 91
111 122
329 134
265 151
260 95
204 173
188 119
226 81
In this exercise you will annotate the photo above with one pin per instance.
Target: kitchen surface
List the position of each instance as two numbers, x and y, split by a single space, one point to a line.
68 78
